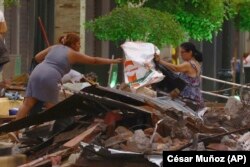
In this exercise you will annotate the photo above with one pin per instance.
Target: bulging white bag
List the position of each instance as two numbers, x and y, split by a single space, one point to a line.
139 68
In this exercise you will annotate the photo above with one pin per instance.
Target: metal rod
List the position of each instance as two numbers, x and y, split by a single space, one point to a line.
43 32
214 94
225 82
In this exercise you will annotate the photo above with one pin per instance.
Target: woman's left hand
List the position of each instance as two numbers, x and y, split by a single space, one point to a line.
157 57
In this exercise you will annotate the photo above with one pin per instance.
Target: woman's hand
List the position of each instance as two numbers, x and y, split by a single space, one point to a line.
157 58
117 60
175 93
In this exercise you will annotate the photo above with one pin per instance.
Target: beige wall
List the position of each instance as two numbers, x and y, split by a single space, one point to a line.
1 5
69 17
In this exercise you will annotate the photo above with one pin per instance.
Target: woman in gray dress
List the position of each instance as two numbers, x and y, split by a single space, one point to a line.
55 62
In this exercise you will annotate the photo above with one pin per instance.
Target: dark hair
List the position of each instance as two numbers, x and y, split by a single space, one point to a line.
188 46
69 39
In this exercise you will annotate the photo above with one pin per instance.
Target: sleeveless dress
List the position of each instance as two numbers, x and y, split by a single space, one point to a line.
44 79
192 91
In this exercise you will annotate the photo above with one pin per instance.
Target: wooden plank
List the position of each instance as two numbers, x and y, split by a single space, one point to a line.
15 88
115 94
115 104
69 107
75 141
45 158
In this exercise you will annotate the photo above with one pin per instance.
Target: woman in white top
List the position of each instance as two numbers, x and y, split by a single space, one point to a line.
4 57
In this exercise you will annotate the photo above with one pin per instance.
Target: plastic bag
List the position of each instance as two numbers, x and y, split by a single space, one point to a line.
139 68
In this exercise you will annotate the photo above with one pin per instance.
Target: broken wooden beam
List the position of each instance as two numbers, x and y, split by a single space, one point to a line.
69 107
115 104
46 157
126 97
76 141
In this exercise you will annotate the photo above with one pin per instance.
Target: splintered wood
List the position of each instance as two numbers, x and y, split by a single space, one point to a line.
75 141
124 121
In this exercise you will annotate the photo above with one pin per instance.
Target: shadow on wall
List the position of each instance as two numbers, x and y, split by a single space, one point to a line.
13 67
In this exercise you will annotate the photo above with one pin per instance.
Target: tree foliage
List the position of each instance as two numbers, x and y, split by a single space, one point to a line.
231 8
244 16
240 11
200 18
195 10
9 3
138 24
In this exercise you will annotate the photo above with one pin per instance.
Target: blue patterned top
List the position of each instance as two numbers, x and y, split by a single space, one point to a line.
192 90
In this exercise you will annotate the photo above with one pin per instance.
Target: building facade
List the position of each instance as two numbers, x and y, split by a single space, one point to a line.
25 38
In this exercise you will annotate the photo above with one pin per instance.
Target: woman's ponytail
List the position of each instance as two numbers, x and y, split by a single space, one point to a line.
198 56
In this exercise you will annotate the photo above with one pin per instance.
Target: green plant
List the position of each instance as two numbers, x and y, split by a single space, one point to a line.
138 24
9 3
244 17
231 8
239 10
200 18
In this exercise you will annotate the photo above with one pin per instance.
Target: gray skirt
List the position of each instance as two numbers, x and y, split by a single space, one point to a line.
43 83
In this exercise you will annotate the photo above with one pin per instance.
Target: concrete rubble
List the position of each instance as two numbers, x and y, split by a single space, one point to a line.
124 126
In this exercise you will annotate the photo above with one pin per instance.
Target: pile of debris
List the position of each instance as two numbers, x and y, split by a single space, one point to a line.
128 128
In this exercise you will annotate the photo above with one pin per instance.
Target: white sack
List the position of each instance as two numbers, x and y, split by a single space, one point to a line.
139 68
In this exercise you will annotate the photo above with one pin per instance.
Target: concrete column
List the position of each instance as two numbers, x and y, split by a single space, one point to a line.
1 5
82 21
69 17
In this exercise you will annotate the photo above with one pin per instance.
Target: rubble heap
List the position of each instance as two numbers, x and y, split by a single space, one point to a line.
110 123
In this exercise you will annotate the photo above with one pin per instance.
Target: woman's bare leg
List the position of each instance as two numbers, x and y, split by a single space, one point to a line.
25 108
